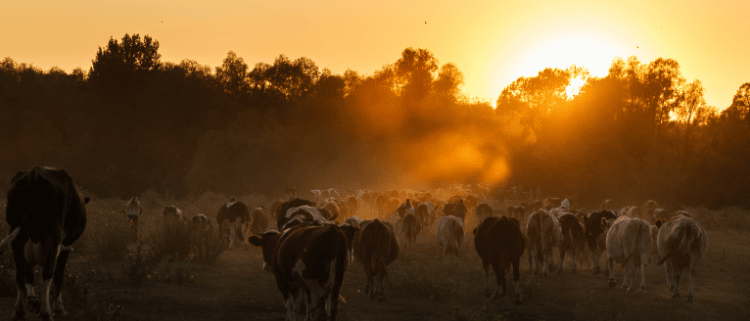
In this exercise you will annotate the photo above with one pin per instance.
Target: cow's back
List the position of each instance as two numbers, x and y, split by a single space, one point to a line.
42 198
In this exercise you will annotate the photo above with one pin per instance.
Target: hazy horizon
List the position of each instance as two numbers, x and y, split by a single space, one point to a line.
492 44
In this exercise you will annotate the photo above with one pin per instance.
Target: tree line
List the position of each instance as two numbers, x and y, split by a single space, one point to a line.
133 122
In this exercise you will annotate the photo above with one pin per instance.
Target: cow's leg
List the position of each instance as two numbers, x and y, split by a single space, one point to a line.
50 249
644 259
612 281
487 292
57 282
574 255
595 258
517 279
668 271
562 259
381 289
21 271
676 274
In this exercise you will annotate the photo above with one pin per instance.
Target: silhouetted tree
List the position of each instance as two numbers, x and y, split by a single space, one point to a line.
233 76
123 64
416 68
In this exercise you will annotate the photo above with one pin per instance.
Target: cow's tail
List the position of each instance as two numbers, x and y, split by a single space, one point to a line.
683 233
8 239
634 250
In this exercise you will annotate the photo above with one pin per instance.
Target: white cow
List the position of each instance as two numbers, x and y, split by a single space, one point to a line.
682 242
450 234
628 242
544 233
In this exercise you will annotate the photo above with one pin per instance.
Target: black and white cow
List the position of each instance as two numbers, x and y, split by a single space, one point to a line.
46 216
237 215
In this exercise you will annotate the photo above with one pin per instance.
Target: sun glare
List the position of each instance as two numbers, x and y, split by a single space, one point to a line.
574 87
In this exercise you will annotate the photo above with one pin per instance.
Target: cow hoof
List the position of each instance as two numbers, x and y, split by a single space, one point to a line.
690 298
612 283
517 299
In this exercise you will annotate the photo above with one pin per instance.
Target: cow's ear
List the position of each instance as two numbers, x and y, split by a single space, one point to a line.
86 200
604 223
658 223
255 240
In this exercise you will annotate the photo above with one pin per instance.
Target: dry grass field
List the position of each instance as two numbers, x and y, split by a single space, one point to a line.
108 281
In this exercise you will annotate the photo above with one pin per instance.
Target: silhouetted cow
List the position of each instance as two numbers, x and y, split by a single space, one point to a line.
46 216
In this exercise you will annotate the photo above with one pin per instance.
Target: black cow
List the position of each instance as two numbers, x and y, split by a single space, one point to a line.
595 235
500 243
46 216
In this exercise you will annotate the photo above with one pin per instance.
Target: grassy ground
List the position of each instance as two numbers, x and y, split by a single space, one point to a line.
108 281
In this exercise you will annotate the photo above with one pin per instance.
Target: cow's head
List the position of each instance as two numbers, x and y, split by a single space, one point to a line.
607 223
267 243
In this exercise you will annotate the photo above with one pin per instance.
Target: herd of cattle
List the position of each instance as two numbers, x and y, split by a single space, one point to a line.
314 241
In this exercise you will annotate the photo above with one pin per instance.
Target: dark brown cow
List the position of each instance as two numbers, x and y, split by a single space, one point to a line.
376 246
46 216
573 239
411 228
595 238
307 256
426 214
483 211
460 210
500 243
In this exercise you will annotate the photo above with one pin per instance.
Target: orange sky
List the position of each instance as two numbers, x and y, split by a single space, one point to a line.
491 42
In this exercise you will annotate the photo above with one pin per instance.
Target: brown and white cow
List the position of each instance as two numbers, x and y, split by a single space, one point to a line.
500 244
411 227
450 235
682 242
574 242
259 221
304 258
628 241
299 208
544 234
376 246
172 214
595 237
133 211
237 215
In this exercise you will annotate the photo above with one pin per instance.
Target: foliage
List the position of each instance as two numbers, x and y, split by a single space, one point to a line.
641 132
